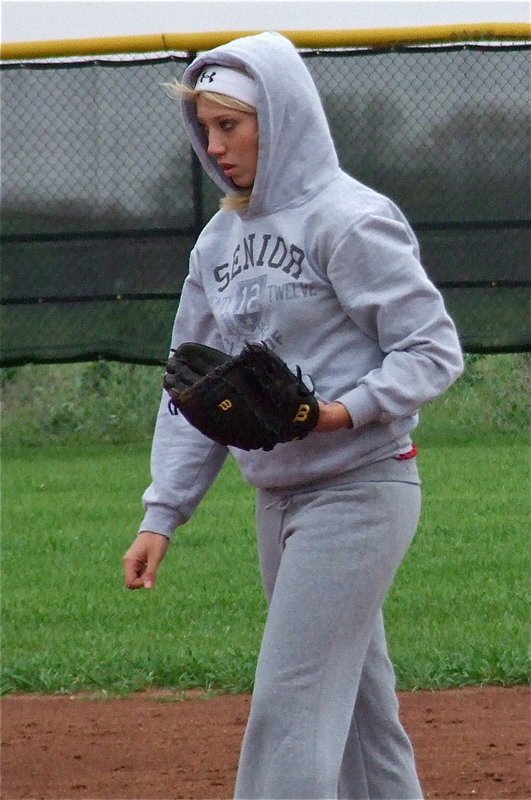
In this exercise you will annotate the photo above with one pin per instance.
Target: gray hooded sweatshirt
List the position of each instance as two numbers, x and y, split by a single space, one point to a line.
323 269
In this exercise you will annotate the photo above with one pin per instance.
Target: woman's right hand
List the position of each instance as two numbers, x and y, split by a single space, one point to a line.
142 560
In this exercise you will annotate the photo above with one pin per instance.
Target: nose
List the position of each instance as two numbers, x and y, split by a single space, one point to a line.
216 146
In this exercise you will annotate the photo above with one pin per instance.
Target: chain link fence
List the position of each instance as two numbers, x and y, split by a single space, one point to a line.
102 198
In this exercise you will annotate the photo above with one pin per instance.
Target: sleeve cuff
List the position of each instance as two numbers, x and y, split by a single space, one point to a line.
159 519
360 405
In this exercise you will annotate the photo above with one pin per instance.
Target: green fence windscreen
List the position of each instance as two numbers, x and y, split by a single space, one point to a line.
102 198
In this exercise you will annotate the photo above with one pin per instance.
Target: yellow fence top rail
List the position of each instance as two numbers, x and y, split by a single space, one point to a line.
197 42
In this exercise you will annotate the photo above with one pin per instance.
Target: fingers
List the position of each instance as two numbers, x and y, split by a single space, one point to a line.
135 575
150 575
142 560
134 569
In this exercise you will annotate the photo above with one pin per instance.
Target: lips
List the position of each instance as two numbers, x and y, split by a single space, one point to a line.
228 169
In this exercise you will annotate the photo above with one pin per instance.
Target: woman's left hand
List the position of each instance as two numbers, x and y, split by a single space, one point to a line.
332 417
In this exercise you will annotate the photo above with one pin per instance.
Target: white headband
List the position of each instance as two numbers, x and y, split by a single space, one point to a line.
225 80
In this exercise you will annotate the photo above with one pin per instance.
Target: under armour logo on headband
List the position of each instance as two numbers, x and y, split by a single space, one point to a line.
207 76
229 81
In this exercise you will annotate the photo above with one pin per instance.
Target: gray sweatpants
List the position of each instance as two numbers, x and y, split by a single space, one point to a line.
324 716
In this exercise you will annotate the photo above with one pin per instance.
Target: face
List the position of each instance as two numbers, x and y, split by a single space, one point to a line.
232 138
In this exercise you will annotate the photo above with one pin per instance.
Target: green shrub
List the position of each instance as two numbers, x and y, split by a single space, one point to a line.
96 401
491 397
117 403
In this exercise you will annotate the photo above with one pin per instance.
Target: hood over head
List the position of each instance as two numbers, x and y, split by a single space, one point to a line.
296 154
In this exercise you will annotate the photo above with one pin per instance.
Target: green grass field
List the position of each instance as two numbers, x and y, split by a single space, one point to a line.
458 613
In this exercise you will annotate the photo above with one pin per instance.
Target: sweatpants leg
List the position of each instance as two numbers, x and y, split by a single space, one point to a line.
378 761
328 558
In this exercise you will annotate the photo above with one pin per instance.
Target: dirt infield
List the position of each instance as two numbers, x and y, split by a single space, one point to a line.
159 746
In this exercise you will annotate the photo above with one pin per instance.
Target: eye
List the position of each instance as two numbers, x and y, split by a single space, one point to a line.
227 124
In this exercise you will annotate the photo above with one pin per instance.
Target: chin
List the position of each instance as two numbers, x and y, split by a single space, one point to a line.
243 185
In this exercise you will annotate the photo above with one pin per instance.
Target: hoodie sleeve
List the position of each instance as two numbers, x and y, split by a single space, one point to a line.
184 463
381 284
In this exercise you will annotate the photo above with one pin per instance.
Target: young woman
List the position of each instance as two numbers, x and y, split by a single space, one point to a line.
327 272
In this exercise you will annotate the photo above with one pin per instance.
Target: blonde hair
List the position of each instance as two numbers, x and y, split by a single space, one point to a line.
231 202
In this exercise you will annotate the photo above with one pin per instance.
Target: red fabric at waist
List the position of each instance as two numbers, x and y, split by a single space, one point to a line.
410 454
